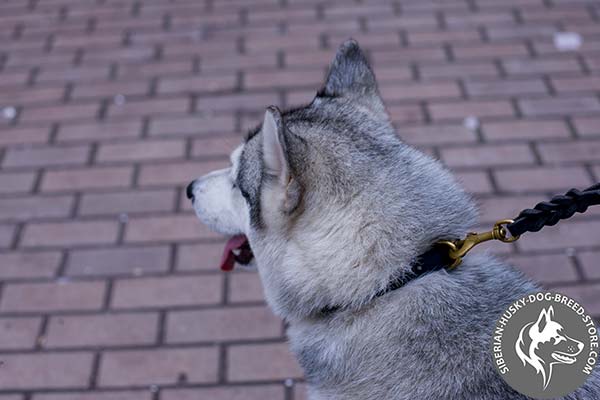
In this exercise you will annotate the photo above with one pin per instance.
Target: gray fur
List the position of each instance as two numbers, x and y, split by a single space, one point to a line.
366 205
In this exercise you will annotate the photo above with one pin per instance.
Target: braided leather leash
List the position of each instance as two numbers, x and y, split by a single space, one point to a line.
546 213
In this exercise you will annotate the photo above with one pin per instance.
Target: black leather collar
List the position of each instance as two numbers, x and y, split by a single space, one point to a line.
434 259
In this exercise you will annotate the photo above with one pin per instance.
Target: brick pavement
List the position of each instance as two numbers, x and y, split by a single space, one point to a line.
110 289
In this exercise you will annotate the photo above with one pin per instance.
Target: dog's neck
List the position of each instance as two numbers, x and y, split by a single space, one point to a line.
434 259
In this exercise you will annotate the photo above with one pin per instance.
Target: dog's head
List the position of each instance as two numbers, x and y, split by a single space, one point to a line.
544 343
331 202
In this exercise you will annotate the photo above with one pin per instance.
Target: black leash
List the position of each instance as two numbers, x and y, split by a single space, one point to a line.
548 213
449 254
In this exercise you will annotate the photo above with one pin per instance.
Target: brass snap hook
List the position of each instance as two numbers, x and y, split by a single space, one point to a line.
459 248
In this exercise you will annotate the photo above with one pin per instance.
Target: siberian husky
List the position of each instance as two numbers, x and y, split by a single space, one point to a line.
332 206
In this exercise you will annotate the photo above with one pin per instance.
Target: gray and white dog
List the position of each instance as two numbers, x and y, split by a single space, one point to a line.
333 206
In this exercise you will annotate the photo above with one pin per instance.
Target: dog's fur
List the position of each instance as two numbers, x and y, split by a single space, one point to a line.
543 343
335 205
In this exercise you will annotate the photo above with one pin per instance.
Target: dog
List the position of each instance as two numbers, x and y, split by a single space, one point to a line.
542 344
330 206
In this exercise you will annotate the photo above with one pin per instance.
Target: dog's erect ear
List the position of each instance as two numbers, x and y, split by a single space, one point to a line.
276 157
351 76
544 318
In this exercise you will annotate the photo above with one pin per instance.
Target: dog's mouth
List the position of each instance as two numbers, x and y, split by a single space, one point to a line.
563 358
237 249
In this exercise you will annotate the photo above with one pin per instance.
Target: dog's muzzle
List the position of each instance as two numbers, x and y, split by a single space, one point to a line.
237 249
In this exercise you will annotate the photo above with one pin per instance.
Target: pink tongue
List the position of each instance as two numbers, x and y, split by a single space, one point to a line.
228 258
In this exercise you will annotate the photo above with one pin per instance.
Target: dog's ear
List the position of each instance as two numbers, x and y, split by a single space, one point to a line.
544 318
276 158
351 76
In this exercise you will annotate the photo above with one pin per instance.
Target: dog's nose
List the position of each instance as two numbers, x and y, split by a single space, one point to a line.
189 191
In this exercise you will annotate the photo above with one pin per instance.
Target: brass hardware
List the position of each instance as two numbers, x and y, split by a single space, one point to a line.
459 248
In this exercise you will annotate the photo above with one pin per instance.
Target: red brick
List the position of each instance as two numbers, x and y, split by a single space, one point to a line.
488 50
109 89
405 113
204 256
59 113
150 107
576 84
46 370
407 21
22 96
167 291
46 156
387 73
571 151
16 182
346 10
509 154
100 131
260 362
546 268
498 17
589 263
474 181
481 109
112 395
215 146
254 392
540 66
506 88
191 125
101 330
158 367
495 208
585 126
87 178
542 179
273 15
245 287
520 31
127 202
69 233
154 69
420 91
407 55
300 392
565 234
43 264
118 261
436 134
180 173
24 136
472 69
559 106
235 62
446 36
525 129
198 84
222 325
241 101
287 78
43 297
586 295
19 333
167 228
140 150
26 208
7 233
